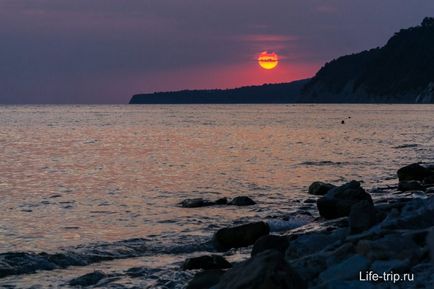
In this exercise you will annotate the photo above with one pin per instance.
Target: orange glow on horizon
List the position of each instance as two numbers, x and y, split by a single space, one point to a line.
268 60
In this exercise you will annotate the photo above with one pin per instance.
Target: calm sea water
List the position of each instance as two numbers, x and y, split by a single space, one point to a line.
74 175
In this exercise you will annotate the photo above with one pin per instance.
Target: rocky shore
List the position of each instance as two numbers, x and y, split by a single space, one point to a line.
355 234
358 234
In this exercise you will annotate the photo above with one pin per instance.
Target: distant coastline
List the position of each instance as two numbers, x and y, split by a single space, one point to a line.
267 93
402 71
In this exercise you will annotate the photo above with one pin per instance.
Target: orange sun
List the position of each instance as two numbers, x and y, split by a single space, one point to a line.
268 60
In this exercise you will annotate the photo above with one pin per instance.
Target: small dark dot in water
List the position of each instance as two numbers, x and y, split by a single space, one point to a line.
343 122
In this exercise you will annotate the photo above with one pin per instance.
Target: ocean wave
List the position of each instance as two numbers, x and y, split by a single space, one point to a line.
18 263
323 163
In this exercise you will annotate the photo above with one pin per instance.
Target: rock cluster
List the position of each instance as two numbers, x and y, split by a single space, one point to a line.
355 234
339 201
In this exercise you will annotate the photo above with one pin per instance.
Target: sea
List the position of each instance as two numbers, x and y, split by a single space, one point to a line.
92 176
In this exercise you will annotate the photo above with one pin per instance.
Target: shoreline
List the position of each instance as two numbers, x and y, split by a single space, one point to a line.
390 240
362 236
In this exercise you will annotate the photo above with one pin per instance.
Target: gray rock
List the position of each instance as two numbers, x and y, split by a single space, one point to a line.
346 270
430 243
398 266
390 247
279 243
267 270
416 214
239 236
338 201
413 172
363 216
310 266
313 242
242 201
410 186
320 188
88 279
205 279
206 263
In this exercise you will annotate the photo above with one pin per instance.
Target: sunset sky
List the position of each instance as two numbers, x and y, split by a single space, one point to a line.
103 51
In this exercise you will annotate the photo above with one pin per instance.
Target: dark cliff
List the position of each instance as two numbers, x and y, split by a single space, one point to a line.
400 72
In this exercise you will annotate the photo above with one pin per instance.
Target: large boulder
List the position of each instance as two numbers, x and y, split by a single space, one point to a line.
239 236
242 201
320 188
363 216
206 262
338 201
221 201
279 243
413 172
205 279
267 270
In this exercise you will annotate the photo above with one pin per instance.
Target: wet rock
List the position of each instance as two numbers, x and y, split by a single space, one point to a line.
363 216
135 272
221 201
413 172
239 236
346 270
279 243
320 188
410 186
242 201
205 279
267 270
88 279
195 203
16 263
206 263
338 201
